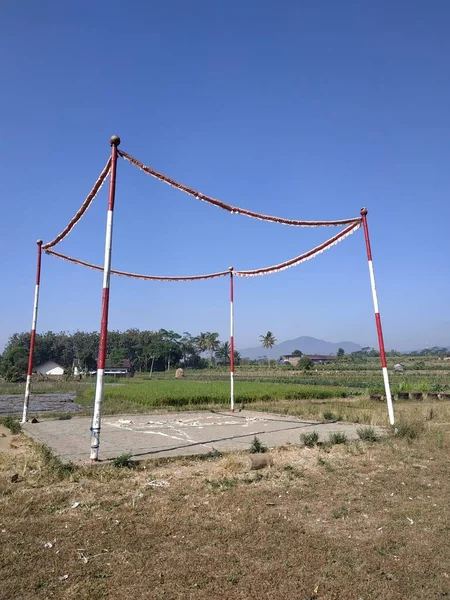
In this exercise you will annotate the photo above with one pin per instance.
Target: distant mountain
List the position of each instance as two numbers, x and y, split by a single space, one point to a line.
308 345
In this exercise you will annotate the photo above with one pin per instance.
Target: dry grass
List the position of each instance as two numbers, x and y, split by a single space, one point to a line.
357 521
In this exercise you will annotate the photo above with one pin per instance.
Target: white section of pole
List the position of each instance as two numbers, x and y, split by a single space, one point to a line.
108 246
97 416
373 287
387 389
26 401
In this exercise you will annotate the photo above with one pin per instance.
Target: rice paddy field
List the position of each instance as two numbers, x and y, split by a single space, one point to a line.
340 389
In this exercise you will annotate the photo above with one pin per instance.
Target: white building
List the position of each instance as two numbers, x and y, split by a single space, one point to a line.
49 368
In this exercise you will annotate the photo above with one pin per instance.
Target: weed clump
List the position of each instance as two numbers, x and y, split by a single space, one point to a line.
53 465
257 446
212 455
409 431
337 437
310 439
367 434
123 461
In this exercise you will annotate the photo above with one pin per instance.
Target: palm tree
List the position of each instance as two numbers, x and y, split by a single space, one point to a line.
202 342
213 343
223 353
268 341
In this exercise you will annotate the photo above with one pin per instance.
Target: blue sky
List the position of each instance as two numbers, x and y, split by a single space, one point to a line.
300 109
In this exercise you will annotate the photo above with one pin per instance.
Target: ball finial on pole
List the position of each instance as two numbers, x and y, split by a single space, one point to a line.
364 212
39 242
115 140
230 269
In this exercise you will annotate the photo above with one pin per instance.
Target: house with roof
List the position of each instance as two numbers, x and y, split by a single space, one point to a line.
294 359
120 368
50 368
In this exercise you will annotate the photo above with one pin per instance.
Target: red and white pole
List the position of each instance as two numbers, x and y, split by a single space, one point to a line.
33 332
231 341
378 319
97 414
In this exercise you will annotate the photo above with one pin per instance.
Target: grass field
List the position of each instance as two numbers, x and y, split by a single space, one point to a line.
359 521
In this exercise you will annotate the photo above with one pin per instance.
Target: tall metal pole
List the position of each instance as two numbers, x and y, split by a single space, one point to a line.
231 341
97 413
33 332
378 319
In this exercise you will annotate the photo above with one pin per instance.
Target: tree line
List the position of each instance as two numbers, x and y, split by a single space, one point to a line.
146 350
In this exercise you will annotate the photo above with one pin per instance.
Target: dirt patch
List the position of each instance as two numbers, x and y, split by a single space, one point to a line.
6 438
354 521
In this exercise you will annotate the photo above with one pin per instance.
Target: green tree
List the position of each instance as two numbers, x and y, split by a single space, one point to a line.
268 341
340 353
297 353
14 364
223 353
171 345
88 362
189 349
117 355
237 358
305 363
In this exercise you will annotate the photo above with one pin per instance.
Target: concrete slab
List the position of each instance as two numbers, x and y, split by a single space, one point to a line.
176 434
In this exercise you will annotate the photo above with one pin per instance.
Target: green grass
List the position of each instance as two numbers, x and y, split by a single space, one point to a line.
171 393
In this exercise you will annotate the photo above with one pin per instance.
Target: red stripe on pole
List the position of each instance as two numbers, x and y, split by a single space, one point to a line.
30 357
112 182
105 294
103 329
380 340
39 260
366 233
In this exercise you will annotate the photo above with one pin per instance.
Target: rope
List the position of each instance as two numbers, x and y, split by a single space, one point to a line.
264 271
228 207
92 194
